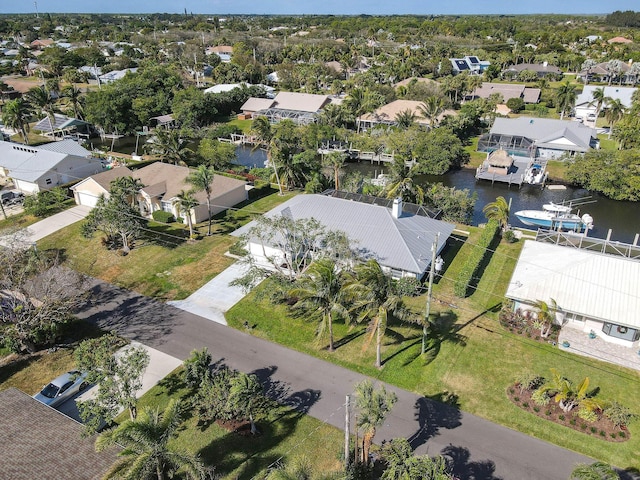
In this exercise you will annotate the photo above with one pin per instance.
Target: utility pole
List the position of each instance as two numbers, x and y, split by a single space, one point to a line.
434 250
346 433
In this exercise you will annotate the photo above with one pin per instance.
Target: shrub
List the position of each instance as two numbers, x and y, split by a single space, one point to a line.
561 417
613 434
572 421
238 249
622 434
407 287
540 397
525 404
603 433
509 236
515 104
529 380
583 426
516 399
536 409
593 429
470 269
619 414
196 367
163 217
587 414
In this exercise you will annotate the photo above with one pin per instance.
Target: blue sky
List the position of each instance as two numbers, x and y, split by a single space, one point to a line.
337 7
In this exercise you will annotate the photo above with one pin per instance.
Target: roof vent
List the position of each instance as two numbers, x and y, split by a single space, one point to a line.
396 210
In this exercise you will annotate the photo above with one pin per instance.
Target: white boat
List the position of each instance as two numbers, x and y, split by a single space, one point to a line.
556 217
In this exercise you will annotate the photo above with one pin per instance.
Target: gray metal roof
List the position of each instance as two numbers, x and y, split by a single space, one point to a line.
596 285
623 94
68 146
400 243
545 130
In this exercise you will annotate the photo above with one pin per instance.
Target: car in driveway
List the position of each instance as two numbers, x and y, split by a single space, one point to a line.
11 197
62 388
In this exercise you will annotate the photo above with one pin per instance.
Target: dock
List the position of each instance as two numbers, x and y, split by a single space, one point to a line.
516 173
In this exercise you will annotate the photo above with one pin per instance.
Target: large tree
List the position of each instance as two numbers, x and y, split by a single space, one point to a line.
41 101
16 114
334 162
373 407
498 210
186 202
565 98
263 131
321 292
202 180
170 146
148 452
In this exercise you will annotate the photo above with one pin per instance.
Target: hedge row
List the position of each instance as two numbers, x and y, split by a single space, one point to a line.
469 270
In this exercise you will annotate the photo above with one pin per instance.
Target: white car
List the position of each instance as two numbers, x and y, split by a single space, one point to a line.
62 388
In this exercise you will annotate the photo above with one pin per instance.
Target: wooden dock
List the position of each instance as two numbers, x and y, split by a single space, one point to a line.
515 175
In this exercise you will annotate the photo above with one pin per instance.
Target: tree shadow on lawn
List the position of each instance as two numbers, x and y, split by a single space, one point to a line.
348 338
461 466
165 235
432 414
12 367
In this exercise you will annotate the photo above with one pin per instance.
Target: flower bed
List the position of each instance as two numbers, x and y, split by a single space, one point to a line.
523 324
602 428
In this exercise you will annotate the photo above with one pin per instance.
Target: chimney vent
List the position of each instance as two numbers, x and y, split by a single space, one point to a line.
396 211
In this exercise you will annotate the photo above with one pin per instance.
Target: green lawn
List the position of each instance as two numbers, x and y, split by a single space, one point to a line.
475 158
285 435
244 125
162 264
471 359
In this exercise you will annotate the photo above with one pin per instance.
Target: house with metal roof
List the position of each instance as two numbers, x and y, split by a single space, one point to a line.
301 108
470 63
37 168
399 240
538 137
586 106
62 125
41 442
593 291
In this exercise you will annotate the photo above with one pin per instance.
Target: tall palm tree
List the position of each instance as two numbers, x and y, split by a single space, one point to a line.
129 187
402 183
147 453
335 162
322 290
40 99
565 98
405 118
595 471
264 133
186 202
202 181
74 98
498 210
373 407
614 112
244 392
431 109
599 98
170 146
15 115
376 299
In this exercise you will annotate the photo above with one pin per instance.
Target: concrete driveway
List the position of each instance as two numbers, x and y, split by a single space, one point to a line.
215 297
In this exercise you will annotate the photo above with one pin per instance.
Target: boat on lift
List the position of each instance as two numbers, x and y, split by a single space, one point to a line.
556 216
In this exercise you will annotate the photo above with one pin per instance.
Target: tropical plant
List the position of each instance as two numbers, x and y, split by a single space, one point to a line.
321 290
186 202
335 161
568 396
202 180
431 109
147 451
619 415
498 211
40 99
244 393
599 98
614 112
16 114
264 133
402 464
405 118
545 315
373 407
376 298
170 146
127 186
565 98
74 100
595 471
197 368
299 468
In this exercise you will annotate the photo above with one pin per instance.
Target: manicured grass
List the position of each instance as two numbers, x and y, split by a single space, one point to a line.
607 143
557 170
470 357
285 435
162 264
30 373
475 158
20 220
244 125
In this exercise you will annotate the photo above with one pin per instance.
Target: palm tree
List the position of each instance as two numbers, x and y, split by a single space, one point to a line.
147 453
299 468
498 210
332 115
321 289
40 100
598 99
202 181
186 202
169 145
431 109
587 67
376 298
402 183
373 407
15 115
595 471
405 118
244 392
74 100
129 187
614 112
545 315
335 161
565 98
567 395
264 133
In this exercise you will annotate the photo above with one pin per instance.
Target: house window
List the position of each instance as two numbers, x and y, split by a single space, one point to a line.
48 181
167 207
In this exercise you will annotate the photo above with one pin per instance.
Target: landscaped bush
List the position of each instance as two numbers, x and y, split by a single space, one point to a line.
620 415
163 217
45 203
407 287
469 270
509 236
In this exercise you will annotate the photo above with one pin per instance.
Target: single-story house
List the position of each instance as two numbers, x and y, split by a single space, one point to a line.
408 81
301 108
387 114
609 72
508 91
471 64
592 290
541 69
400 241
224 52
34 169
585 105
41 442
162 184
538 137
114 75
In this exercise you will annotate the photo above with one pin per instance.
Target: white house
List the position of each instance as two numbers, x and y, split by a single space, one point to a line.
593 291
34 169
586 107
400 241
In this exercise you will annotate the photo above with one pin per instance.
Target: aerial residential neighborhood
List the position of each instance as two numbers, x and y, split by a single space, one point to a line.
320 241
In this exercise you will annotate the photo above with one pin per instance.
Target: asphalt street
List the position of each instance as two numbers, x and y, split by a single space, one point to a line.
481 450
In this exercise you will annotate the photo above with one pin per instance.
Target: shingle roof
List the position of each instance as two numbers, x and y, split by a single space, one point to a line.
254 104
580 281
400 243
389 112
40 442
105 178
302 102
508 91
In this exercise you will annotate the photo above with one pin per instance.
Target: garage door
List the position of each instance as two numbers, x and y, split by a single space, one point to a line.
87 199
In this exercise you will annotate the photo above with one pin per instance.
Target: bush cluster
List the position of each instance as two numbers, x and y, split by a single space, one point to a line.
163 217
472 265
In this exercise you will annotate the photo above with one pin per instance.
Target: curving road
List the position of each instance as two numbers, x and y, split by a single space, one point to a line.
480 450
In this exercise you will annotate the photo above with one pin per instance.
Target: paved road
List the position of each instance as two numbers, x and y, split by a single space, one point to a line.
481 450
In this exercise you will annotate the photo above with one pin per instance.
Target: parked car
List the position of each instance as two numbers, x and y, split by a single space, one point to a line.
591 117
62 388
11 197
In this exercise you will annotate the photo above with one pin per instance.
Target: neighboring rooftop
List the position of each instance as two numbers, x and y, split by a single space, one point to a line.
624 94
40 442
540 68
508 91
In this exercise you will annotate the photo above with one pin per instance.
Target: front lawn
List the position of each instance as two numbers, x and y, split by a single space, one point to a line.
470 358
